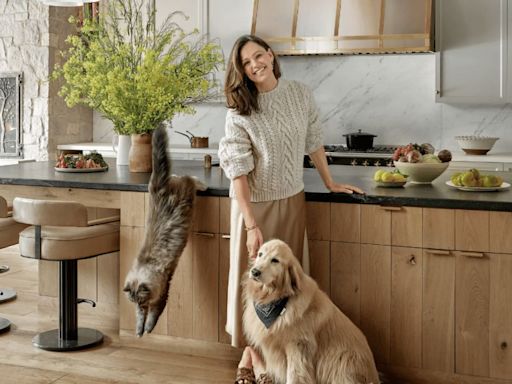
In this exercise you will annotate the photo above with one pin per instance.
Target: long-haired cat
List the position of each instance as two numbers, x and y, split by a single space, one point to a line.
171 210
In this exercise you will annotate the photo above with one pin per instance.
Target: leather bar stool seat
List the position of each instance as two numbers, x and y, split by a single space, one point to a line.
60 231
9 234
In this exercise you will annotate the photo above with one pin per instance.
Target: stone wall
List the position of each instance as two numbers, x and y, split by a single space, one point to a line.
31 37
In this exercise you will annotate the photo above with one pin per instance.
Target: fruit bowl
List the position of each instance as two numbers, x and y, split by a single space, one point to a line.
421 173
476 145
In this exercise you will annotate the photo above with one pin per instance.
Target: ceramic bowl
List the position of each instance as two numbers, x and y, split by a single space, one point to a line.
476 145
421 173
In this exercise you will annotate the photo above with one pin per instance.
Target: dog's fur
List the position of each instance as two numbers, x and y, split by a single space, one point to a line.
171 210
312 342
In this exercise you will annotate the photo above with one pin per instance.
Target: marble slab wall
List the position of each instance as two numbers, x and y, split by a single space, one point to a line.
392 96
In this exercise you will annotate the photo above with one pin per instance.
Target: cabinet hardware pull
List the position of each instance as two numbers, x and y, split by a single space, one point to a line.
412 260
226 236
438 252
205 234
473 254
504 345
390 208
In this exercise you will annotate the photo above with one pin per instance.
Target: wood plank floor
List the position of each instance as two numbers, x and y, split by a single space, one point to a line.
121 359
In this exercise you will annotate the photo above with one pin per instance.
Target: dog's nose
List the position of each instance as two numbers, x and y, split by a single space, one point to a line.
255 272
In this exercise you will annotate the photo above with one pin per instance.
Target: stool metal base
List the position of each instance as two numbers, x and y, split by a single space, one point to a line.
5 325
49 340
7 294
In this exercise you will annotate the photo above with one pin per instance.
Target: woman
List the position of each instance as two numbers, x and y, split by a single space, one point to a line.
271 123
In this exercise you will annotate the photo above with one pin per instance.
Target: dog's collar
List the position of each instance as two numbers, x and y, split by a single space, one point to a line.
268 313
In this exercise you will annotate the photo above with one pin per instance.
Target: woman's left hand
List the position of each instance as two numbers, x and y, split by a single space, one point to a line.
344 188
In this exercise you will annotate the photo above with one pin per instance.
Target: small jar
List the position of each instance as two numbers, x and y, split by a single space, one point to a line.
207 161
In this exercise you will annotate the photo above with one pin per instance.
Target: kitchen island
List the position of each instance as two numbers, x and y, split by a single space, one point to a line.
425 271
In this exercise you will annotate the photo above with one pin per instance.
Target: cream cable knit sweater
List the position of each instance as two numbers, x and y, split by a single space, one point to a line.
269 146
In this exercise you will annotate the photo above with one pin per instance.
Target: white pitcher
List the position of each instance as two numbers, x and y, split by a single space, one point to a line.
122 149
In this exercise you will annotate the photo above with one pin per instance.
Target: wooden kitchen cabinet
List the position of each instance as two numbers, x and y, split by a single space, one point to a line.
345 222
438 228
318 226
472 65
472 230
406 307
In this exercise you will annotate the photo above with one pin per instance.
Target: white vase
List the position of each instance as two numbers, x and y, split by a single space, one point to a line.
122 149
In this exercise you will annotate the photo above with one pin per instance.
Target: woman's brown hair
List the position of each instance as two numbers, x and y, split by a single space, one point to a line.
241 93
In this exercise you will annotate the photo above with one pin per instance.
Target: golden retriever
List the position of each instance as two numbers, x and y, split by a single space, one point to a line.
310 341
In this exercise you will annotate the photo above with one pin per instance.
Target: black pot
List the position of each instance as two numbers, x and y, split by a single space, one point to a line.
359 140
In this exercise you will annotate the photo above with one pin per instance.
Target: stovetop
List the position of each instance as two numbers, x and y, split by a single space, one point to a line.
340 150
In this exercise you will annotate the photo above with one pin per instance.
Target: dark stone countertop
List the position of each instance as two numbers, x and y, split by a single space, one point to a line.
437 194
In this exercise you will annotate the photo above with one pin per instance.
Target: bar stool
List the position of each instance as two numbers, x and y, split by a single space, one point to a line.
9 234
61 232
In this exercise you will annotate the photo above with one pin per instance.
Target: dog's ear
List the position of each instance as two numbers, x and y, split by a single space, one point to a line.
295 277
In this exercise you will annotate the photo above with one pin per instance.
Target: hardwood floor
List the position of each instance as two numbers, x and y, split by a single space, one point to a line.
121 359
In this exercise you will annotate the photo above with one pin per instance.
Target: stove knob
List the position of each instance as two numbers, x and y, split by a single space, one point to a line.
377 163
390 164
353 162
365 163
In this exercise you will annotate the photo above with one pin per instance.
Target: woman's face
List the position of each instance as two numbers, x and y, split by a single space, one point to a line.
258 65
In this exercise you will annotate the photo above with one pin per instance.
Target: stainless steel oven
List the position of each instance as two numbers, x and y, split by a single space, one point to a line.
377 156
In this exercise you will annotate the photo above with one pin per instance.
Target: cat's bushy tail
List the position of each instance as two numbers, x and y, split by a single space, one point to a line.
159 182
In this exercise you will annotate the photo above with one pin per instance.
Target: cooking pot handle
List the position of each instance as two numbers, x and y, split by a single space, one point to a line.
187 136
190 133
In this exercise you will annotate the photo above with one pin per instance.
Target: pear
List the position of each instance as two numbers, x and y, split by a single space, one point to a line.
489 181
387 177
455 178
377 176
468 179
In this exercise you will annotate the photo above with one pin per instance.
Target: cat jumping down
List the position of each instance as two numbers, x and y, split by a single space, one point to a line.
169 222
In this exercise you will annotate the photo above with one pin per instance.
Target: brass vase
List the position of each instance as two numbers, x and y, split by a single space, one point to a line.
140 153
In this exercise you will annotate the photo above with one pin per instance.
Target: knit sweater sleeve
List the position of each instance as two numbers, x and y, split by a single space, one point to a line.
314 136
235 150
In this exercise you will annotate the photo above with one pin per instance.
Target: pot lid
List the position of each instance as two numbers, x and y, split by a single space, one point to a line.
359 133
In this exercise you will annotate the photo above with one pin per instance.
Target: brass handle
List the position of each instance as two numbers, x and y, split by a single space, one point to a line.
390 208
473 254
438 252
226 236
205 234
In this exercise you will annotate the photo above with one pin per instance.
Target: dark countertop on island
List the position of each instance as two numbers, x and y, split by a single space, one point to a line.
436 195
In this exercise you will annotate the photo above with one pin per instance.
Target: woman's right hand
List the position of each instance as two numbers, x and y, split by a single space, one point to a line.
254 241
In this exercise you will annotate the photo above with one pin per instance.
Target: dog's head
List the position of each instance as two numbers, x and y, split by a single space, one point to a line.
277 269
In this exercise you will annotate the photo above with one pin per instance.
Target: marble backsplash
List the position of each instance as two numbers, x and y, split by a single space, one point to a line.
392 96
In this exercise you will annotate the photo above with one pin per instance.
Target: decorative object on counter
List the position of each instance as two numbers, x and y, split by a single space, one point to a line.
390 179
92 162
207 161
359 140
133 73
421 173
420 162
140 153
474 181
195 141
122 149
476 145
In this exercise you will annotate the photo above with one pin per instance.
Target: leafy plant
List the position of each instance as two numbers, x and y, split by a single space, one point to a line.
133 73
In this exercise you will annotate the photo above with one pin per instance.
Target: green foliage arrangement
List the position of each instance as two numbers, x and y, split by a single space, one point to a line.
133 73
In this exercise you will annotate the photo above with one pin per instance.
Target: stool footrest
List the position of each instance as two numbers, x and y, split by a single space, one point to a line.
50 340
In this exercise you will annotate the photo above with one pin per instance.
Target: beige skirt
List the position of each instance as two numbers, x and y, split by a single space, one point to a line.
280 219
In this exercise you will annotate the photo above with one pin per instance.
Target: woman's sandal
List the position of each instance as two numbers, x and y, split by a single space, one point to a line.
245 376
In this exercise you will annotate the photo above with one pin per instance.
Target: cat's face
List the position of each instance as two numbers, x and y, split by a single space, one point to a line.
149 291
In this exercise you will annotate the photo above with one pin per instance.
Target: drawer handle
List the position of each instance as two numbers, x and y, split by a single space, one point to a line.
473 254
391 208
226 236
438 252
504 345
412 260
205 234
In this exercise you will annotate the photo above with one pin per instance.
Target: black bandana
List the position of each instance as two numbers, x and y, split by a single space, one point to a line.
268 313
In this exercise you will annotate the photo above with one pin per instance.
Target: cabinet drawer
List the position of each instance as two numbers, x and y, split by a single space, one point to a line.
500 226
438 228
472 230
318 220
345 222
375 225
406 227
206 214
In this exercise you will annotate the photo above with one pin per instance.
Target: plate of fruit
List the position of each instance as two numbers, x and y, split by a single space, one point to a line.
389 179
420 162
474 181
92 162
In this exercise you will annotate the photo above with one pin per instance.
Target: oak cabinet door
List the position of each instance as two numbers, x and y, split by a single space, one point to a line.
406 306
438 317
375 299
224 337
472 297
375 225
318 223
500 232
500 319
345 222
472 230
345 275
406 227
438 228
320 264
